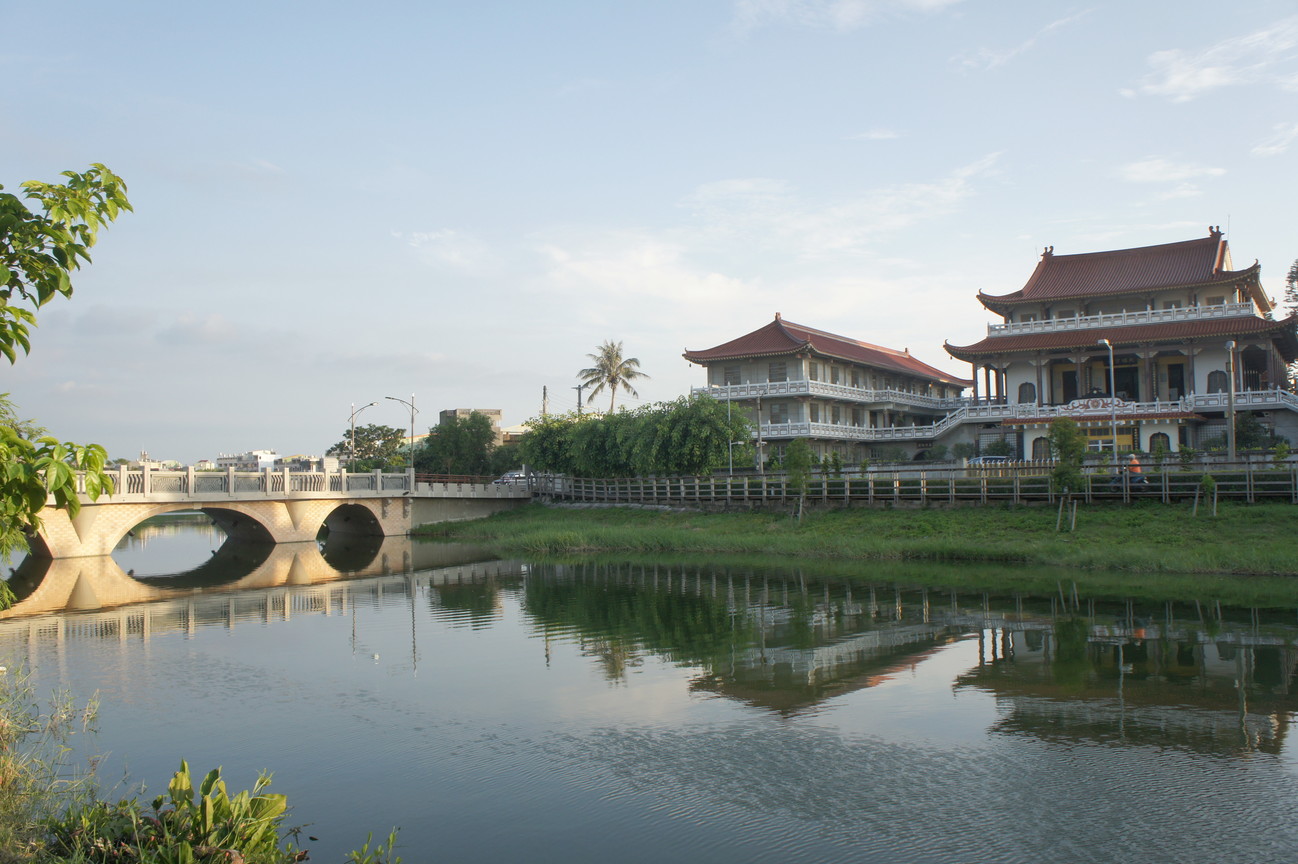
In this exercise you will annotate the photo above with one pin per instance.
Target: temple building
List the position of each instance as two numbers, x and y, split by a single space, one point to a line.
1163 342
844 396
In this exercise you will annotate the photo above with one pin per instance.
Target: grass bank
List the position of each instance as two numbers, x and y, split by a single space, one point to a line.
1256 540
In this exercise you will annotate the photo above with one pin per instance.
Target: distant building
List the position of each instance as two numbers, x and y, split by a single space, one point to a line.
492 414
307 463
253 460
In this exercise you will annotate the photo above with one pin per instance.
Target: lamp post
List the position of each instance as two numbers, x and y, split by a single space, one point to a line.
1113 403
1230 399
413 412
351 455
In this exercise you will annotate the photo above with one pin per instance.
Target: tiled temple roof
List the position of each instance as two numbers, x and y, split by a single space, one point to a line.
784 338
1202 263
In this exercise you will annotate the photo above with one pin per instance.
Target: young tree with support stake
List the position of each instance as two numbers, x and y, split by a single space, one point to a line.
39 249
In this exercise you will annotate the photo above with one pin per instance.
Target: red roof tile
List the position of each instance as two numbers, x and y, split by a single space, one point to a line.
782 337
1189 263
1175 331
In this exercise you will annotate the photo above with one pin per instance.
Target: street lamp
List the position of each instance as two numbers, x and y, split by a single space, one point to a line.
351 456
413 412
1230 399
1113 402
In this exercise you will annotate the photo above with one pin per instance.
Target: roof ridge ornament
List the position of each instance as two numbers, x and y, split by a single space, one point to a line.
1048 252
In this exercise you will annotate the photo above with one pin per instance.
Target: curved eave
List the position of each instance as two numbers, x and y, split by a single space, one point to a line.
1283 332
1002 304
702 357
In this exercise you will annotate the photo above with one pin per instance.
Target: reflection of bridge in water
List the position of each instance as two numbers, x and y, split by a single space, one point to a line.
94 583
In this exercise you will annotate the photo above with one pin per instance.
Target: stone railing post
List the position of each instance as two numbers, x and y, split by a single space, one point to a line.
189 481
266 485
144 479
378 480
229 481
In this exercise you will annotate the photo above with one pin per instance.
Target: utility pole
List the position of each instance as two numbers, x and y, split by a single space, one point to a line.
578 389
545 401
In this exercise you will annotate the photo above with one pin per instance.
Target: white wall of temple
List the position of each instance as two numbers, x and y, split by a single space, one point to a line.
769 369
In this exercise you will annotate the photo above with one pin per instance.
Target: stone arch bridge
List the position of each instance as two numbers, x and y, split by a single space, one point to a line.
271 506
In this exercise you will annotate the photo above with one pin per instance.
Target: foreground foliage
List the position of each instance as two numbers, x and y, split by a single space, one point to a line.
39 250
50 812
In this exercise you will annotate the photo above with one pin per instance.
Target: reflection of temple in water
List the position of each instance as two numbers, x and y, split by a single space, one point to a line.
786 644
1166 685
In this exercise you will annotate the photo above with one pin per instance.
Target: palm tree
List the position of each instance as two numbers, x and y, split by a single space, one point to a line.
611 370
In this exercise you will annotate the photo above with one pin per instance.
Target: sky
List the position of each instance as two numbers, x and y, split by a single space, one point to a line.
336 204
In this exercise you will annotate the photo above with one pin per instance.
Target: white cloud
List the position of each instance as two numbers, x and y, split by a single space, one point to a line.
837 15
988 59
875 135
448 249
189 329
1283 134
1264 57
768 213
1159 170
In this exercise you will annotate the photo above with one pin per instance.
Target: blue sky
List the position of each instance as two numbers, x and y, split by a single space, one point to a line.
462 200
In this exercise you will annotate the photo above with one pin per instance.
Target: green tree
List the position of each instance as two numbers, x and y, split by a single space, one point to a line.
39 250
458 445
378 448
692 435
610 369
1000 448
797 465
1068 446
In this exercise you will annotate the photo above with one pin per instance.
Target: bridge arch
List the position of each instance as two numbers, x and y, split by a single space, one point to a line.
97 530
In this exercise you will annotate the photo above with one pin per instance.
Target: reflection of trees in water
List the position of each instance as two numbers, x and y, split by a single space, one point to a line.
1072 666
478 602
622 620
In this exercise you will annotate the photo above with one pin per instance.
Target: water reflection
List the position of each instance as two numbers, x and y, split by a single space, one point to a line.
789 644
45 585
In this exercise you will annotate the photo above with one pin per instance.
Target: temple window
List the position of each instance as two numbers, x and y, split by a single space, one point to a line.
779 412
778 372
1027 393
1217 381
730 375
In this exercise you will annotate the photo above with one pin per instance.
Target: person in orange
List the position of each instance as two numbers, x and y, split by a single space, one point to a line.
1133 468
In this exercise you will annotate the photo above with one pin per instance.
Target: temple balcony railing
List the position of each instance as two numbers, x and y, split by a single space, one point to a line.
1125 319
1089 409
839 392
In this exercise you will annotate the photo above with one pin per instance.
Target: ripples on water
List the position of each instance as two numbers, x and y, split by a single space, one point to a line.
498 711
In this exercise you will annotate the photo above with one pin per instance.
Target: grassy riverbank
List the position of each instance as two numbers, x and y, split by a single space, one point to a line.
1256 540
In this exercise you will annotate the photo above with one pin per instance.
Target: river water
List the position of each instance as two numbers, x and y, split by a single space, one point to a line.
506 710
